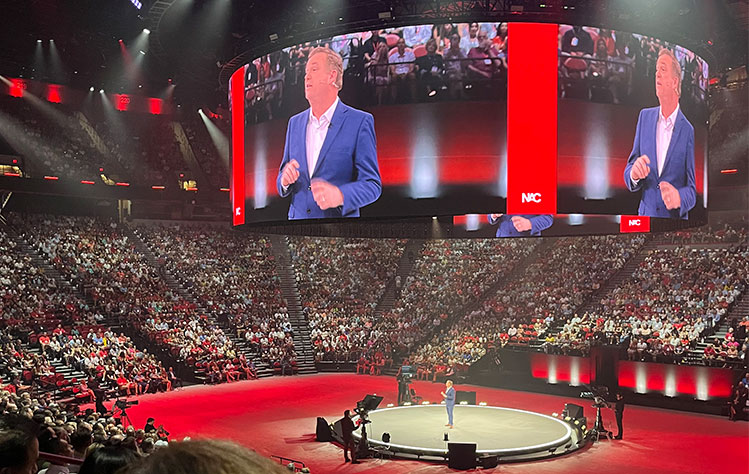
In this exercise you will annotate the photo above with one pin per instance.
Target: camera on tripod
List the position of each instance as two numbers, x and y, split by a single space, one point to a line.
125 404
598 395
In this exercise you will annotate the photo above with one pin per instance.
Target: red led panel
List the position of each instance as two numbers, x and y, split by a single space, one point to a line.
17 86
155 106
532 119
237 140
54 93
121 101
634 224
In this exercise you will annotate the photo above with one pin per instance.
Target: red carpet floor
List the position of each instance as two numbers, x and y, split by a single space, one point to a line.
276 416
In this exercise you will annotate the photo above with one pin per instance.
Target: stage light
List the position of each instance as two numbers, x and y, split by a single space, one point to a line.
434 218
91 88
389 405
157 187
407 404
432 93
567 418
226 190
482 404
555 414
146 31
425 402
101 170
464 402
200 111
142 52
51 178
85 181
577 422
101 91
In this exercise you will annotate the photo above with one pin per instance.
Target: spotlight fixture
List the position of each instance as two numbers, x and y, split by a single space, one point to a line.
146 31
482 404
101 91
91 88
38 41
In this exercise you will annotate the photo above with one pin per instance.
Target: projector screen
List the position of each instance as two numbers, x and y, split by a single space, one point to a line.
454 119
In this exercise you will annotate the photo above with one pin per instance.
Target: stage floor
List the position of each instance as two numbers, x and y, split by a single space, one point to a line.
276 416
495 430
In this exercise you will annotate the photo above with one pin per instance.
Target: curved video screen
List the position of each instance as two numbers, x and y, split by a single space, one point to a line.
455 119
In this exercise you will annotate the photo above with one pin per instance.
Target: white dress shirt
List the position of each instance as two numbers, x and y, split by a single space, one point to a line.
317 130
663 133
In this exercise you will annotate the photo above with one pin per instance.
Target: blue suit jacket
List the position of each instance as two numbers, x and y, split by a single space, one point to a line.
677 170
450 396
507 229
348 159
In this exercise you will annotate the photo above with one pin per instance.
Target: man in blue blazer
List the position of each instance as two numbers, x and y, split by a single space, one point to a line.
449 396
521 225
661 165
329 166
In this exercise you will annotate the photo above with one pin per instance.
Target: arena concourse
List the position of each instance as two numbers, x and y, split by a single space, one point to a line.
143 330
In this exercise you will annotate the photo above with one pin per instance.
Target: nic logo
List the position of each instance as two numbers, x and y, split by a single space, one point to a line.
531 197
635 222
238 211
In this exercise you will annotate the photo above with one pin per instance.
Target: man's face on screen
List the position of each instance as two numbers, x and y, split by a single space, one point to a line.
317 77
665 78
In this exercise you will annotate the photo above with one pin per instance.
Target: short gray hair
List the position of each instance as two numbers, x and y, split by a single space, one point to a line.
335 63
675 67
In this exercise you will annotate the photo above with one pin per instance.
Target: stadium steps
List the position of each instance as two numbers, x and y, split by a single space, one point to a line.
41 261
592 303
297 318
736 313
263 369
405 265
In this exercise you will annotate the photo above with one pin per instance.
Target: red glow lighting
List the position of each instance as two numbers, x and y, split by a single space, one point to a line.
729 171
158 187
122 184
226 190
54 93
101 170
17 175
192 189
15 161
155 106
85 181
51 178
17 86
122 101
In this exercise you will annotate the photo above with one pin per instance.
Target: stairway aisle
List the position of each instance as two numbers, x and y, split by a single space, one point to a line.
243 347
299 323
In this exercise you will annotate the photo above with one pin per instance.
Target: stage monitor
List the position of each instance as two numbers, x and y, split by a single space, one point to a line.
450 119
370 402
461 455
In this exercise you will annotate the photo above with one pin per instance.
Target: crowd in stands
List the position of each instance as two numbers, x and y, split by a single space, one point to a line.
213 165
340 282
100 259
523 310
709 235
233 276
675 298
447 277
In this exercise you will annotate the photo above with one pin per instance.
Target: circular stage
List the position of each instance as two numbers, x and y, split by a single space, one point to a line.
505 432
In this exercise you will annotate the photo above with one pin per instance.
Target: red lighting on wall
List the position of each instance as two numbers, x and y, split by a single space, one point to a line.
54 93
17 86
17 175
122 184
158 187
729 171
122 101
85 181
51 178
155 106
226 190
191 189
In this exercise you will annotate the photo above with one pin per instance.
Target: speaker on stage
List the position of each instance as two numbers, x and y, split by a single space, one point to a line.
573 411
461 455
464 396
323 432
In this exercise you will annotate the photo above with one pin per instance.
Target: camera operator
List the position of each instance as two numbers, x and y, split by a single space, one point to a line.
619 411
404 380
347 430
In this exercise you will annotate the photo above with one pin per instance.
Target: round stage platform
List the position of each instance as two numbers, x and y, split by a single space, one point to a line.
505 432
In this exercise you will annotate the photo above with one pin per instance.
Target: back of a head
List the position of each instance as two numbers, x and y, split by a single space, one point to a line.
17 443
205 457
108 460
